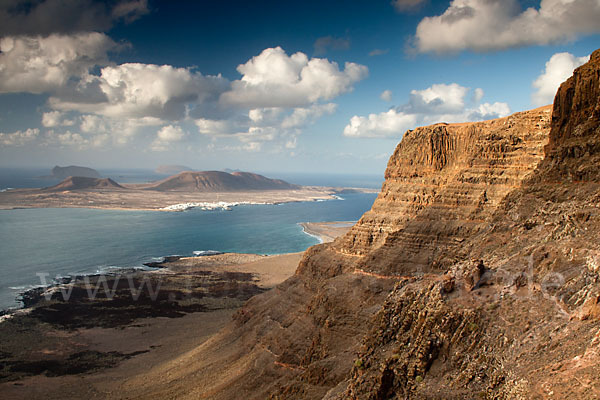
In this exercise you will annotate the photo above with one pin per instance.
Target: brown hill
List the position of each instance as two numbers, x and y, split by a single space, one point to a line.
217 181
82 183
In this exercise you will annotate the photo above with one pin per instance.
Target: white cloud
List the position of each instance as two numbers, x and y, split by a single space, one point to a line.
326 43
292 143
484 25
477 95
274 79
275 98
92 124
53 119
265 116
67 139
386 95
437 99
43 64
252 147
438 103
44 17
18 138
558 69
407 5
167 135
141 90
487 111
304 115
385 124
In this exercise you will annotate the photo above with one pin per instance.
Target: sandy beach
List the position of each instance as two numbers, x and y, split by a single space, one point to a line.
327 231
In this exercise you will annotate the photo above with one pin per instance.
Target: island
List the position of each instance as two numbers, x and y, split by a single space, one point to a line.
207 190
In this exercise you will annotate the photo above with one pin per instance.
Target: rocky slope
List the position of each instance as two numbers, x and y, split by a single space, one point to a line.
475 275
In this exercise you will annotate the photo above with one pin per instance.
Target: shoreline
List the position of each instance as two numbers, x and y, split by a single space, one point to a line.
326 232
88 332
321 231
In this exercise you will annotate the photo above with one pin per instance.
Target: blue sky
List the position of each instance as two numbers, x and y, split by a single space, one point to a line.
270 86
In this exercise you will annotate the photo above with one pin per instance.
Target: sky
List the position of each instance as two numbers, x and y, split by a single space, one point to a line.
282 86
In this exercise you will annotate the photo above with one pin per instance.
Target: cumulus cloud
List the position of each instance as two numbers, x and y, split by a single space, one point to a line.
304 115
167 135
274 79
216 127
42 64
385 124
52 119
386 95
324 44
44 17
558 69
275 98
67 139
141 90
93 124
487 111
438 103
407 5
438 99
18 138
484 25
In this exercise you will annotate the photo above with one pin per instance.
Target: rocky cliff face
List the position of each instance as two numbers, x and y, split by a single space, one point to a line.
525 322
475 275
442 184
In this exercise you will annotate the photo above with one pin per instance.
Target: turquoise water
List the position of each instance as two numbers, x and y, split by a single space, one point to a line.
61 242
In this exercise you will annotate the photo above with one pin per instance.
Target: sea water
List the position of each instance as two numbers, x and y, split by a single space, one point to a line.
55 242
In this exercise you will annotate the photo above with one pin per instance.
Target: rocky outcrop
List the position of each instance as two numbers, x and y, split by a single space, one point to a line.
573 153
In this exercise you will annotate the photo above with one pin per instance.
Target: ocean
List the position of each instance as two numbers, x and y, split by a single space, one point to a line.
50 243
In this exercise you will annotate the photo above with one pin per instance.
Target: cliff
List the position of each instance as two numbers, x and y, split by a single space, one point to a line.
443 183
475 275
217 181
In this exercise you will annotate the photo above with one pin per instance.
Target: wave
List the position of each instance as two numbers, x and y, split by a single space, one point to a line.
200 253
319 238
